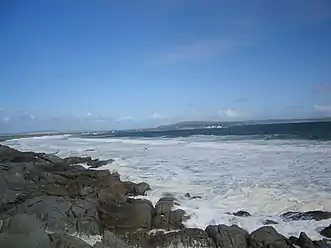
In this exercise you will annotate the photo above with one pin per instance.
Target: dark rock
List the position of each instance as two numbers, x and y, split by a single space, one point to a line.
23 231
8 154
242 213
310 215
165 205
322 244
293 240
188 195
110 240
134 189
269 222
167 218
267 236
127 217
228 236
66 241
326 232
192 197
186 238
304 241
92 163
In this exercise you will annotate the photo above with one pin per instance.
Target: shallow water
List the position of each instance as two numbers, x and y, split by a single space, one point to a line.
263 177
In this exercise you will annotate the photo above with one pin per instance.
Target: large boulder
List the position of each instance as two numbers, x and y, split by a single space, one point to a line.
167 218
110 240
310 215
304 241
228 236
186 238
60 214
23 231
267 236
135 189
326 232
130 216
67 241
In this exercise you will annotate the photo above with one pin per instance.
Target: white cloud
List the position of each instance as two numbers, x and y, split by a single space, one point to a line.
158 116
229 113
126 118
322 108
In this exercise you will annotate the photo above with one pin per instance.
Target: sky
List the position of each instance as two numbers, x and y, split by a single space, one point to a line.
109 64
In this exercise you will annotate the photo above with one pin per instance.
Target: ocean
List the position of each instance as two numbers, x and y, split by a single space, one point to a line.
263 169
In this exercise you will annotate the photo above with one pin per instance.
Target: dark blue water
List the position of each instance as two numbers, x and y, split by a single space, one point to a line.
303 130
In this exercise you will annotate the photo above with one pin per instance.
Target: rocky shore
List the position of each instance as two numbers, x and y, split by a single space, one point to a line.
50 202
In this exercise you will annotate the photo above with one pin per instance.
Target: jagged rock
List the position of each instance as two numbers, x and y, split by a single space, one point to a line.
134 189
66 241
165 205
187 195
293 240
92 163
165 217
242 213
127 217
186 238
228 236
304 241
269 222
267 236
322 244
23 231
110 240
326 232
8 154
310 215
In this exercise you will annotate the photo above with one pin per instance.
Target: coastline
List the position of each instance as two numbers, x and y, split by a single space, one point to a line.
97 201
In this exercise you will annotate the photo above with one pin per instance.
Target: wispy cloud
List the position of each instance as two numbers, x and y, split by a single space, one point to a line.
322 88
205 49
322 108
242 99
126 118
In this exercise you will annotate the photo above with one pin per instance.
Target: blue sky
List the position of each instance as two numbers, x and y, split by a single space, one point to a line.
117 64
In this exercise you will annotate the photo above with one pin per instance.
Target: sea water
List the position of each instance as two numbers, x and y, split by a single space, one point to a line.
264 177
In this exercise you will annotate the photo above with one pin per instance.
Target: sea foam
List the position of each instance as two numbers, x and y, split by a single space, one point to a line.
263 177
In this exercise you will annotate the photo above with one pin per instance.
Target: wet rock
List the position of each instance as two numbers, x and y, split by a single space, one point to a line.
8 154
322 244
92 163
165 205
267 236
310 215
187 195
23 231
167 218
134 189
228 236
326 232
66 241
127 217
186 238
269 222
293 240
304 241
242 213
110 240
